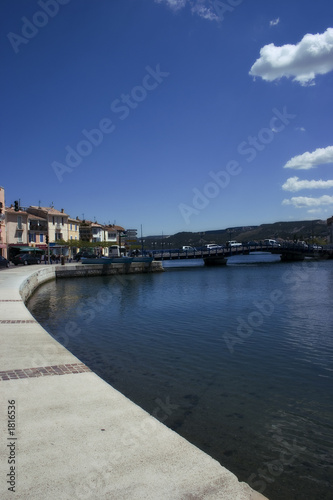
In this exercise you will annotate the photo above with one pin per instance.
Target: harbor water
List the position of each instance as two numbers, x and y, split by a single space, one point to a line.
237 359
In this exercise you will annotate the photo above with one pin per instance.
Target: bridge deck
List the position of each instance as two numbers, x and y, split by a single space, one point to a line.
245 249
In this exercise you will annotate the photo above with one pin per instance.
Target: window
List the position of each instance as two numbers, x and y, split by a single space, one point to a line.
19 222
32 238
41 238
71 237
71 226
75 227
19 236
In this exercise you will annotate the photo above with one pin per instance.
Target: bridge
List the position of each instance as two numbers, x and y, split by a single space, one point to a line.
218 256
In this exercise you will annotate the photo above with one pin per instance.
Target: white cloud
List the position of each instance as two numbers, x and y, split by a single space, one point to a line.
312 56
203 8
316 211
274 22
204 12
173 4
300 129
308 160
304 201
294 184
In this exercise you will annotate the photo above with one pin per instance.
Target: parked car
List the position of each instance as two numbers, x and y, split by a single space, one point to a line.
212 246
315 247
26 258
234 244
4 262
272 243
187 248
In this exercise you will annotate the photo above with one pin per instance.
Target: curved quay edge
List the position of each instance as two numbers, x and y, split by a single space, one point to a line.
75 436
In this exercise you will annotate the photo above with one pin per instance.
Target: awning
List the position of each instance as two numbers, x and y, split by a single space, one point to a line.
2 245
28 249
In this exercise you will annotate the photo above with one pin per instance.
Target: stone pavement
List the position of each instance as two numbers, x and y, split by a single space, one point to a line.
67 434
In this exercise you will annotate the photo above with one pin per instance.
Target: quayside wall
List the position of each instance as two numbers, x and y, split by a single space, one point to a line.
50 272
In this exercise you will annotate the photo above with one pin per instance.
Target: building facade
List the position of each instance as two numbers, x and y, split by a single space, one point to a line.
37 231
3 234
73 229
36 227
73 236
16 228
57 222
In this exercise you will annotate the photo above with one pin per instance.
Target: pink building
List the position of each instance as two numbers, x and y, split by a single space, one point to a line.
3 239
17 229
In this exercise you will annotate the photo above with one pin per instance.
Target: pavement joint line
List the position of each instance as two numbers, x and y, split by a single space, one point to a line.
6 321
42 371
11 300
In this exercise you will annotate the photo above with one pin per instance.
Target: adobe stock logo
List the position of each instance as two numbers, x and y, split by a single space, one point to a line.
222 8
30 28
121 108
250 149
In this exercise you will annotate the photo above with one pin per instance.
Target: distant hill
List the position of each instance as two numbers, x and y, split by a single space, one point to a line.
296 230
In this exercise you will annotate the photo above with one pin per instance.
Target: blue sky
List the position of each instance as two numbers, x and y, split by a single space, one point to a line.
180 115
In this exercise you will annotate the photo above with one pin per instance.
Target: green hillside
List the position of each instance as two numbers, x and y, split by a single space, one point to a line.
313 230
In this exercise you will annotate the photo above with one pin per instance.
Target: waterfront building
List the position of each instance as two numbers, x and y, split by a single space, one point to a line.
37 231
3 235
73 235
107 235
85 231
111 236
114 235
97 232
73 229
57 227
57 222
16 229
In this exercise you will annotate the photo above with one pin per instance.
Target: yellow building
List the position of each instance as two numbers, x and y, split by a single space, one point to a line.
73 235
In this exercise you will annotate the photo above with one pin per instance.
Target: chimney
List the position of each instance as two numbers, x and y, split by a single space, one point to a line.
62 210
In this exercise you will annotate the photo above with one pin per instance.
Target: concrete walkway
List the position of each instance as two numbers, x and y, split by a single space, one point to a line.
74 436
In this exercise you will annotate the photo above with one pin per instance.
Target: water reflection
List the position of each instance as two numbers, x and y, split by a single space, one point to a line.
162 336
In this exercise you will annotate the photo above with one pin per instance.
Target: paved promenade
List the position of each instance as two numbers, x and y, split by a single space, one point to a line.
73 435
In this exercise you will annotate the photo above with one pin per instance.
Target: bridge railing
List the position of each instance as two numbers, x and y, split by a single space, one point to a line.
235 250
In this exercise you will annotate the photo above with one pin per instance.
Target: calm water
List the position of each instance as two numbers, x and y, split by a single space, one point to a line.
237 359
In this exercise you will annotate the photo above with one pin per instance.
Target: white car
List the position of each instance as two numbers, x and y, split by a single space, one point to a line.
272 243
234 244
212 246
